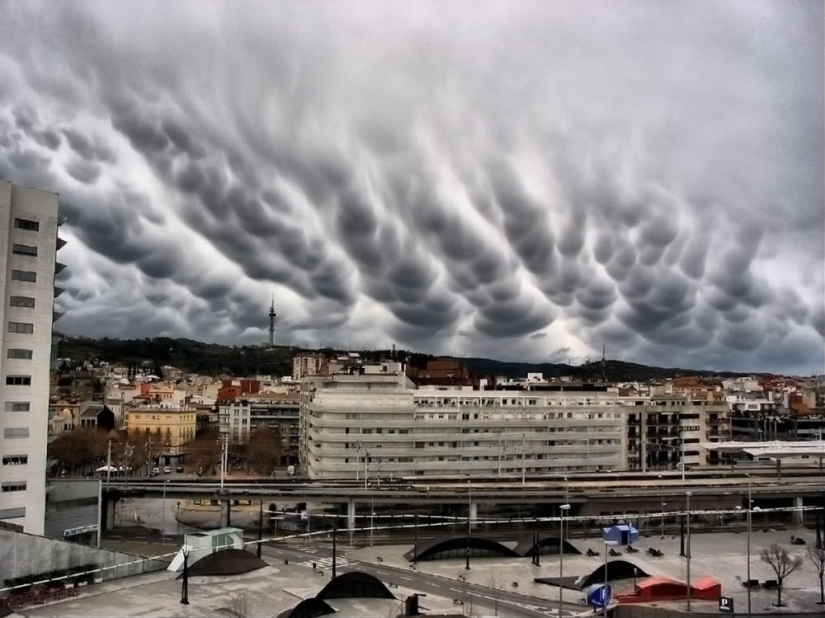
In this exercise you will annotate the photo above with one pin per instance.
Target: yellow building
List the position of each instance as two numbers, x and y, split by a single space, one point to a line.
168 427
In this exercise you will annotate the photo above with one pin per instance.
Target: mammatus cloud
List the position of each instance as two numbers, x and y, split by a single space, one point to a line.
532 183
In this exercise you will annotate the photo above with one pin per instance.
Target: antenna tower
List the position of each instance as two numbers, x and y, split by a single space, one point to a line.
272 316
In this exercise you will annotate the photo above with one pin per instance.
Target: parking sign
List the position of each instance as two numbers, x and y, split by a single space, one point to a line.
726 605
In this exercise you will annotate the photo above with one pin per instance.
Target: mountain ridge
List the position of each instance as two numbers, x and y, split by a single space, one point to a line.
211 358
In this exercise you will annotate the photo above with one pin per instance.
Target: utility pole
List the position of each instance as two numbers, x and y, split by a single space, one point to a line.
260 525
687 496
523 459
224 458
108 461
469 512
334 549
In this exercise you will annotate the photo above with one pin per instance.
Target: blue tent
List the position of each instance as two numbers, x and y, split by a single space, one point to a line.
620 534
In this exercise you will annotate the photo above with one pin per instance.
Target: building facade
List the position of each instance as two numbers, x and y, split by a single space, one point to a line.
373 421
239 419
28 243
169 428
304 365
665 432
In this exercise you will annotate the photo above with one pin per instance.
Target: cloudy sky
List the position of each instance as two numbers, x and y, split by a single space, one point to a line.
520 180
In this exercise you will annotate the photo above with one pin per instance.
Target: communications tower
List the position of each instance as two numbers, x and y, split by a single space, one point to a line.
272 316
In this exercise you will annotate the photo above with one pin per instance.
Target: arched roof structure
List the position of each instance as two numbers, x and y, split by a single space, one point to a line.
308 608
225 562
355 584
616 569
546 545
456 547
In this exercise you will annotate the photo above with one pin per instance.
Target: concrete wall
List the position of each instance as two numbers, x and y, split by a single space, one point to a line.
24 554
71 503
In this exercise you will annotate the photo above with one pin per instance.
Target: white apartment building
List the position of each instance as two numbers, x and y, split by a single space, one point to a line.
28 243
373 421
304 365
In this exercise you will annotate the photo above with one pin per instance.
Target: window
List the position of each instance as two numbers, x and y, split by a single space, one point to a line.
21 301
26 224
18 380
24 275
21 327
15 460
19 353
13 513
13 486
17 406
16 432
24 249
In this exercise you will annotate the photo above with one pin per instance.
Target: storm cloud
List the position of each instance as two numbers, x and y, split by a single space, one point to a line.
530 183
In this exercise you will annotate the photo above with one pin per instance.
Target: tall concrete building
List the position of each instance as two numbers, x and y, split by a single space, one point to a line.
28 243
370 420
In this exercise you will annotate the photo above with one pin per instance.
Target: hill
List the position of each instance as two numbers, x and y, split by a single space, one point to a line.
212 359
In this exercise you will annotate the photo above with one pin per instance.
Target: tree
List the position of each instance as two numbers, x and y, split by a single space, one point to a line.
782 563
817 558
264 451
204 452
495 583
79 449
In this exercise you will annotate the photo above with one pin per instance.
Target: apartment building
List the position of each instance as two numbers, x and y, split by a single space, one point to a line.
304 365
370 419
28 243
665 432
169 427
239 419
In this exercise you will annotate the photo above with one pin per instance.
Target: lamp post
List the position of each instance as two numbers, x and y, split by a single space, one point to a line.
163 516
751 509
606 543
184 593
662 495
687 553
260 526
469 523
372 516
563 509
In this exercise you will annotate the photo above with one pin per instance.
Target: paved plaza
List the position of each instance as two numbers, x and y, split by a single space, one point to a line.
271 590
266 592
720 555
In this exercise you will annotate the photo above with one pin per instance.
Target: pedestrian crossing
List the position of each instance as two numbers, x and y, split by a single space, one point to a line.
326 563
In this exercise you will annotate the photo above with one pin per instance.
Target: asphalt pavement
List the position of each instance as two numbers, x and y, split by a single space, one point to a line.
509 603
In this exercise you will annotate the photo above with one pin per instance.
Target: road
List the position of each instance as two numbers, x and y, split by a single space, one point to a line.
509 603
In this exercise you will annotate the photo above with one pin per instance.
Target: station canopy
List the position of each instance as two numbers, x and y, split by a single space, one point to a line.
775 450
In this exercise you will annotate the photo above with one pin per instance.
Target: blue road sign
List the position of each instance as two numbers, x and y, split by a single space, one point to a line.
599 595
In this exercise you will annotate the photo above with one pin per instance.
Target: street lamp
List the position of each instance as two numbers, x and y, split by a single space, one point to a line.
163 516
469 522
751 509
662 493
563 509
184 593
606 543
687 553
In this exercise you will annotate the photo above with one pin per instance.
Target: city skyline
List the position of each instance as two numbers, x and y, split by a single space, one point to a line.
530 182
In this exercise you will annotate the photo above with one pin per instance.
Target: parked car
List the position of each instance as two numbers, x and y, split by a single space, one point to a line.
155 471
179 469
167 470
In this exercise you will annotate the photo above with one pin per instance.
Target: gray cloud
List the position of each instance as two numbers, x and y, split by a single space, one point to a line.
544 178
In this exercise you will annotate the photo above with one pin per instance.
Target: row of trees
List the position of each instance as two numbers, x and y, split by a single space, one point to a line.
84 450
261 454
